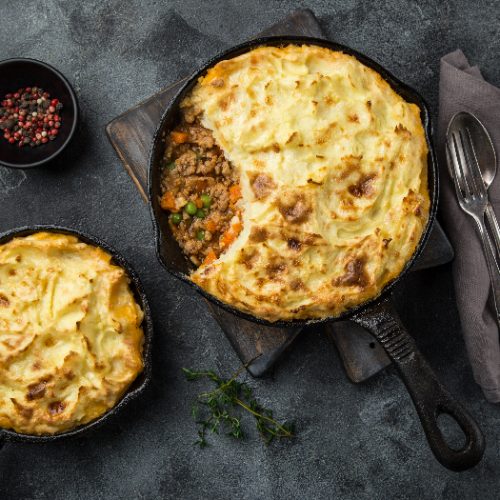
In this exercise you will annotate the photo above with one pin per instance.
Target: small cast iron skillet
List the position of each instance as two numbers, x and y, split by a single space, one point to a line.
142 380
377 315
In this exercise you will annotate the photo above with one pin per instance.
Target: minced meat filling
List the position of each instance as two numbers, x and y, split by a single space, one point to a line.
200 190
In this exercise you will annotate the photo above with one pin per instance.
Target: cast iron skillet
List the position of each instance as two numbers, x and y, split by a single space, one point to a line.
377 315
142 380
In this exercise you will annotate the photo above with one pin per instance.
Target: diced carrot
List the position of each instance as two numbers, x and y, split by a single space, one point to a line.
209 258
198 203
168 202
234 193
211 226
179 137
227 238
236 228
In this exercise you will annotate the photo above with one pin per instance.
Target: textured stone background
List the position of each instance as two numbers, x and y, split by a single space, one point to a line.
354 441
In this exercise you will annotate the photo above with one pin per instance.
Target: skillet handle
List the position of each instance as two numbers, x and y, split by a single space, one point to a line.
431 399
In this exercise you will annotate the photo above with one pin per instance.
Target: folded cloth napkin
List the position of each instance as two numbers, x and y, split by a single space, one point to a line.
462 88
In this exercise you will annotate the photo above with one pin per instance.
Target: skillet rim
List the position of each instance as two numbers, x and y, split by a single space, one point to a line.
402 89
140 383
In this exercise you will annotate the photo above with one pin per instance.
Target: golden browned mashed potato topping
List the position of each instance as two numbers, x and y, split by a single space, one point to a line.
332 167
70 333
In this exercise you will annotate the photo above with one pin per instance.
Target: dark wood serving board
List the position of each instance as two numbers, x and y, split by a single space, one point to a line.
131 135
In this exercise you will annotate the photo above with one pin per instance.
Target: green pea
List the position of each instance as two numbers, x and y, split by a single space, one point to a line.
200 235
200 213
176 218
190 208
206 199
171 165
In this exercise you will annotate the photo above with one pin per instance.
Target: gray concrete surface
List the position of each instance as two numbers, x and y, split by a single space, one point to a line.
354 442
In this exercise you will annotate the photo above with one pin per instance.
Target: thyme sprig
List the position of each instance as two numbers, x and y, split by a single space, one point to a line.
218 409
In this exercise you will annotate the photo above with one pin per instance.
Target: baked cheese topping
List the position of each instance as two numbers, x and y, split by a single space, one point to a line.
70 333
333 171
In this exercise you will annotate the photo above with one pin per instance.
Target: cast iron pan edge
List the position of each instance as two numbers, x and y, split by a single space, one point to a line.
140 383
376 315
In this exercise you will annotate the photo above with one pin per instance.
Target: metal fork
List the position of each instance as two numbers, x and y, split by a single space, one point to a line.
473 199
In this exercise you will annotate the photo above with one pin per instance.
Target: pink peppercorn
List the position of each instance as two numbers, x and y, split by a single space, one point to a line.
29 116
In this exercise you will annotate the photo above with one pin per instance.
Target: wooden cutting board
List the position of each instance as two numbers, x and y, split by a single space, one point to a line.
131 135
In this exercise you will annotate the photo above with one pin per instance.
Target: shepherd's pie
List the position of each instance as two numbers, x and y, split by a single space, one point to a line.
315 172
70 333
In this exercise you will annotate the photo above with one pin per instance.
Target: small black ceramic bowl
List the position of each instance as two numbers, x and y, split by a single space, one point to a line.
17 73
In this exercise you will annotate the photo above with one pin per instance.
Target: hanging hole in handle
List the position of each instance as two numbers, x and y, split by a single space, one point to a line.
372 345
451 431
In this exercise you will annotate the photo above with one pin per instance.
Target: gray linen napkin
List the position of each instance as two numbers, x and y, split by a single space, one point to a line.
462 88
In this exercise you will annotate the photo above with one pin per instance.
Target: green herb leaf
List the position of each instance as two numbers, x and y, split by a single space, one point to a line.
221 409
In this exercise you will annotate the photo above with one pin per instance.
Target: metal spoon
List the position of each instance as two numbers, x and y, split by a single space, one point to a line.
481 150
